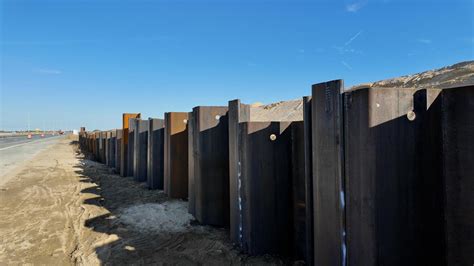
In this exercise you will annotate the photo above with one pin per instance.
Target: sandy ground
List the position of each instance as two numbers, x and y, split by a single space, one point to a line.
63 209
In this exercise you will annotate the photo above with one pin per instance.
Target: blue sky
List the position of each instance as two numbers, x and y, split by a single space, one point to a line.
70 63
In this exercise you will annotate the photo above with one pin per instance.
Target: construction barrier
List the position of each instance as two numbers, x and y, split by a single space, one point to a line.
238 113
176 155
328 195
191 184
102 140
267 221
455 108
132 127
370 176
96 146
387 170
308 249
124 166
112 151
209 165
140 150
155 153
118 149
107 147
267 157
299 245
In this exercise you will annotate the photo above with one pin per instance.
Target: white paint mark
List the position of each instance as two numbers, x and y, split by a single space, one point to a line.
343 202
241 219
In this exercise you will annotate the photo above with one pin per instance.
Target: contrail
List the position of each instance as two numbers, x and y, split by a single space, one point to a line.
346 65
353 38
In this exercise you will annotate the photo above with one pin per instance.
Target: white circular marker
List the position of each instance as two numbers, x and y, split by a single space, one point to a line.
411 115
218 117
273 137
185 121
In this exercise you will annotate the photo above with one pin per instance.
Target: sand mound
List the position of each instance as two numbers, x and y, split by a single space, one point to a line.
281 111
171 216
459 74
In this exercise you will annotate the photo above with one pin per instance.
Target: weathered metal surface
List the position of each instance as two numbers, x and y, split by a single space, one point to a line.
97 146
107 147
140 152
191 166
328 197
308 178
132 127
298 192
124 143
118 149
210 161
102 136
92 143
258 156
156 138
113 140
394 213
265 188
176 155
237 113
458 169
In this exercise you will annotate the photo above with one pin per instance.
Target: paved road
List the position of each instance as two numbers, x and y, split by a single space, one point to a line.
15 151
7 142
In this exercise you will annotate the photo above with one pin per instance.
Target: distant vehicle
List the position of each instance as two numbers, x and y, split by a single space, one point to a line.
29 136
61 132
42 135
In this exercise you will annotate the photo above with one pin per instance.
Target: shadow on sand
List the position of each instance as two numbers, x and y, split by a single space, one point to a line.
124 244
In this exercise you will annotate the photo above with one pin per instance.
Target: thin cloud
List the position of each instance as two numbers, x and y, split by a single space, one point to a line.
347 50
353 38
47 71
354 7
346 65
425 41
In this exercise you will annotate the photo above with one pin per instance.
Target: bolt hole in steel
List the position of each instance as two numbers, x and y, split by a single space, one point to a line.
411 115
218 117
273 137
